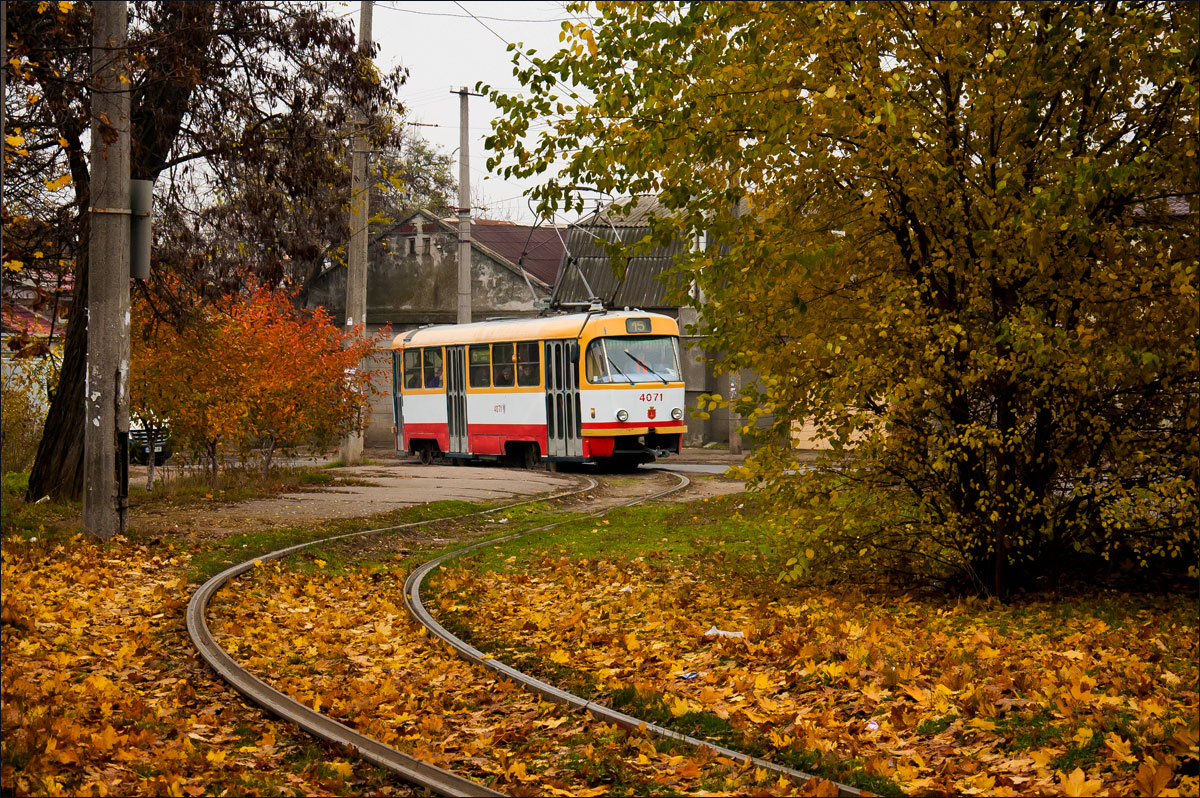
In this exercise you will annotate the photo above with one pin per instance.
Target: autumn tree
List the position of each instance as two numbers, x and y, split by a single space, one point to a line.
415 175
253 375
958 238
225 94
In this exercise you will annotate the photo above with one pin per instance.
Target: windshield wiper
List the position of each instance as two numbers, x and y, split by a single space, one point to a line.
618 368
644 365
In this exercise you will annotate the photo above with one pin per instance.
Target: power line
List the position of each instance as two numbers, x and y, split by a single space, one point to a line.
518 50
468 15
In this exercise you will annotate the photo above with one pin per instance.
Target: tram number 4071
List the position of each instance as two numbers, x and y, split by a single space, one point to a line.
651 397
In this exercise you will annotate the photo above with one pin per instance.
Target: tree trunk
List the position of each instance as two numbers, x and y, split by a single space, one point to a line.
212 460
151 442
268 453
58 468
158 110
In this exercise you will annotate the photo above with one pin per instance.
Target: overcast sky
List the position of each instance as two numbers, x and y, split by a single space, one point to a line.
444 49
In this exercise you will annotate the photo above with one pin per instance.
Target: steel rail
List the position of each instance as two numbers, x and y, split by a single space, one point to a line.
411 769
412 600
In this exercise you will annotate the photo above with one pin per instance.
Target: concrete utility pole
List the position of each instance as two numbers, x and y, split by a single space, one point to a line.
356 277
464 207
106 401
3 78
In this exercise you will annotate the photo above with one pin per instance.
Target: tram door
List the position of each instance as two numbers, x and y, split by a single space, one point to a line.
397 404
456 398
562 399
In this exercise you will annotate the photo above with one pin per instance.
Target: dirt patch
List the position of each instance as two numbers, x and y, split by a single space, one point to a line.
707 487
377 490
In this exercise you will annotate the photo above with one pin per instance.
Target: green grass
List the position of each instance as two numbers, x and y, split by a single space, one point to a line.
721 533
716 530
57 521
932 727
216 556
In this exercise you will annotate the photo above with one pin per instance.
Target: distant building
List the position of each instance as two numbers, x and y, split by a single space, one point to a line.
33 322
412 280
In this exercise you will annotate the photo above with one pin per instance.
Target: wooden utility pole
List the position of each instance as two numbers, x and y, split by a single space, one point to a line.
464 207
356 276
106 400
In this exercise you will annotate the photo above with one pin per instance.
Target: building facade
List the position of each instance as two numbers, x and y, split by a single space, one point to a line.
412 281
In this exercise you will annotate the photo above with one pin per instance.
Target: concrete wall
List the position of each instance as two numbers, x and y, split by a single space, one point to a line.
411 289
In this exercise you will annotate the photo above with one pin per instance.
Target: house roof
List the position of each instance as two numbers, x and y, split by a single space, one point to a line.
20 319
1173 206
539 250
646 284
478 243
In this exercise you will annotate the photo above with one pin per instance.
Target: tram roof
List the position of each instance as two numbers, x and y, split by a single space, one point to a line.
570 325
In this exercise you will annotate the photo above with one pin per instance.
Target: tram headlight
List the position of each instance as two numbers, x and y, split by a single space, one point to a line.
622 416
677 413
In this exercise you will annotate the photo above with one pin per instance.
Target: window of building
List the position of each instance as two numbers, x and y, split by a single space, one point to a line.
412 245
425 244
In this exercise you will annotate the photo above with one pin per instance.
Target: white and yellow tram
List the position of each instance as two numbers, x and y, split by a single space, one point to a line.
514 388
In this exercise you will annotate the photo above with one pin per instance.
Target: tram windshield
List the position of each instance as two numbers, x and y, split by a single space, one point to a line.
638 358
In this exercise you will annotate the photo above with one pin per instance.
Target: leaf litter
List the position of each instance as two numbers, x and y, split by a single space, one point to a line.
935 696
103 693
342 644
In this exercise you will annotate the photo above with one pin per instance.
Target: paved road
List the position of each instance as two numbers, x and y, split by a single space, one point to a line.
686 468
401 485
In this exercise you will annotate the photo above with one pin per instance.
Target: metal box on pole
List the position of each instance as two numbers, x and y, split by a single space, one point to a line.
141 222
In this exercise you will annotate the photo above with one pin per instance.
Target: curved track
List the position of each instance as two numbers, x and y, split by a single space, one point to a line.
411 769
412 600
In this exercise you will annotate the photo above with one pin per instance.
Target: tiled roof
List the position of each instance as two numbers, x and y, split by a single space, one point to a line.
20 319
1171 207
646 284
502 241
538 250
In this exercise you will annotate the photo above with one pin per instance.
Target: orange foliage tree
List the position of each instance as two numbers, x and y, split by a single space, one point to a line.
254 376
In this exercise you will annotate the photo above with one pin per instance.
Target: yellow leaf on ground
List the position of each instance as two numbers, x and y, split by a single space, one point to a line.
1152 778
678 706
106 739
1078 785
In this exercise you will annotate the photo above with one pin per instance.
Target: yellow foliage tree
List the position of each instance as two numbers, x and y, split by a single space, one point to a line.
960 235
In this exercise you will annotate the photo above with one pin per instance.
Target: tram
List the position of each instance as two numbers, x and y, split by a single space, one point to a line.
598 387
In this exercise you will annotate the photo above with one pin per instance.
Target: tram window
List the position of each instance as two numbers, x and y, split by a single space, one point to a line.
481 365
433 367
412 369
595 367
502 365
528 363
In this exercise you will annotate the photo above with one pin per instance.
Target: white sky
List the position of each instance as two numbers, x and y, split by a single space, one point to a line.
444 49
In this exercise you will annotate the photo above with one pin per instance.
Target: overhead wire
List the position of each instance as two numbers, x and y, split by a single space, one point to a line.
391 7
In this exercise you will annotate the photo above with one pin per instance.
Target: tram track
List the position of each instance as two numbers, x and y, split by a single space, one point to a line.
416 607
411 769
